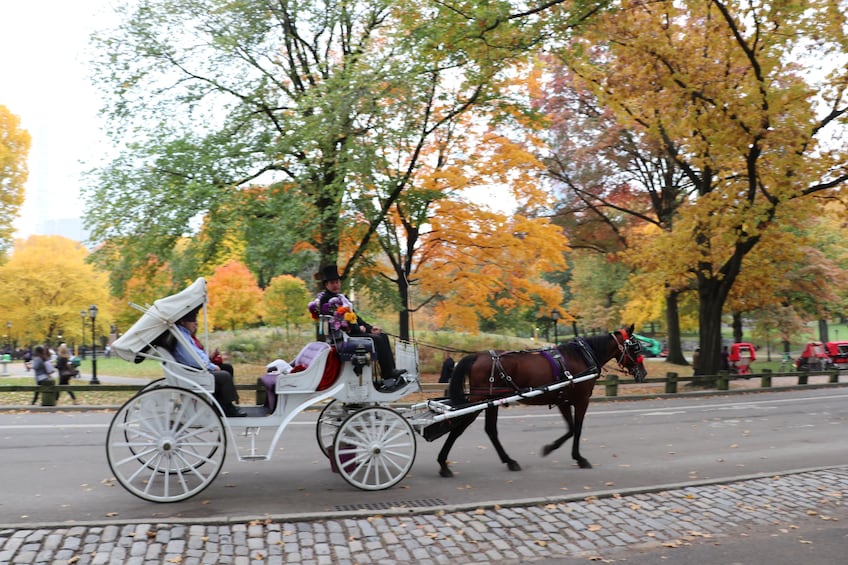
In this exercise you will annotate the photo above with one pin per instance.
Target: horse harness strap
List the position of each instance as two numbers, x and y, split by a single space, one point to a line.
497 367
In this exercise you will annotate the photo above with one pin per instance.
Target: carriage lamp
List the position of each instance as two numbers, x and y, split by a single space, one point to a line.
92 312
555 318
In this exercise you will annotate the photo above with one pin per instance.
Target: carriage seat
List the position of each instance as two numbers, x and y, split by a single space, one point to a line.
176 373
308 370
182 375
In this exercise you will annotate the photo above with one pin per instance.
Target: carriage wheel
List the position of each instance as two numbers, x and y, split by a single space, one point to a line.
157 383
374 448
166 444
331 417
328 423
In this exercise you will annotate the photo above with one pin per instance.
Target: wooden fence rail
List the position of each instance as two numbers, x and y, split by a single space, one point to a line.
612 383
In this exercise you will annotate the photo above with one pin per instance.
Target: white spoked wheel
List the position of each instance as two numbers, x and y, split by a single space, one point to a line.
166 444
328 424
331 417
374 448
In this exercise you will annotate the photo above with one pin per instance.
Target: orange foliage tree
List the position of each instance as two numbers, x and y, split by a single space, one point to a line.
235 300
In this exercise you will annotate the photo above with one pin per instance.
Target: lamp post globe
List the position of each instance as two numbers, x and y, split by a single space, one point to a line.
92 312
555 318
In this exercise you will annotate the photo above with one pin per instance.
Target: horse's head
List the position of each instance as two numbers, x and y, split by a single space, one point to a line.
630 353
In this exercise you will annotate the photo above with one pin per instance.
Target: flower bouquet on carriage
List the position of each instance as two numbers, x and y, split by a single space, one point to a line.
338 314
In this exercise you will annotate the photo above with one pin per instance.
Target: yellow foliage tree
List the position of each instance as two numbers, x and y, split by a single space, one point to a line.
14 149
235 299
45 285
720 87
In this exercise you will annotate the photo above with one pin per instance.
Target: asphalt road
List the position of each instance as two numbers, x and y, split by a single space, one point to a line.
55 470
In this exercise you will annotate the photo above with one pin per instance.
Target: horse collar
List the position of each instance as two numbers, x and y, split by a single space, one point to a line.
588 354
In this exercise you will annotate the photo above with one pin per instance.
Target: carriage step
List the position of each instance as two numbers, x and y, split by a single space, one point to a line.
254 458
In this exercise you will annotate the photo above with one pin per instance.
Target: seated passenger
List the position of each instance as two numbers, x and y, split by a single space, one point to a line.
225 389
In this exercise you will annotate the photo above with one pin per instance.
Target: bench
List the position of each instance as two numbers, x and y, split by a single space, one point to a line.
315 368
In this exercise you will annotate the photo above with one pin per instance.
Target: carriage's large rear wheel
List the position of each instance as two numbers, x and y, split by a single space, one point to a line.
374 448
166 444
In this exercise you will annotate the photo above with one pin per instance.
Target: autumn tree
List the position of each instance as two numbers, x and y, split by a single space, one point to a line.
14 149
285 300
734 101
276 92
615 186
235 300
46 284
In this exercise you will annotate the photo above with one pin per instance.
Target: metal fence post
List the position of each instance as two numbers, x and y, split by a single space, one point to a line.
765 379
611 381
671 383
722 383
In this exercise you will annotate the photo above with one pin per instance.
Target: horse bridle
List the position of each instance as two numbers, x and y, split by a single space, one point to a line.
629 348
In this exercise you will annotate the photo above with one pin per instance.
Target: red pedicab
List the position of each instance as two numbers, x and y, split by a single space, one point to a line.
813 358
838 353
740 358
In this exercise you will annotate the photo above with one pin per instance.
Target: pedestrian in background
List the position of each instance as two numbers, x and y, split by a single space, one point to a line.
43 368
67 370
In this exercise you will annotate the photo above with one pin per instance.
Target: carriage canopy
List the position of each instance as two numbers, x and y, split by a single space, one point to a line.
158 319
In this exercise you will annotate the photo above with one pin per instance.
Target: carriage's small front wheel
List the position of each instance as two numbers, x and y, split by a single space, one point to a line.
374 448
166 444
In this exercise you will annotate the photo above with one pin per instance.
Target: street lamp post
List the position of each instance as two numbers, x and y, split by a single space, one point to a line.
555 318
82 317
9 335
92 312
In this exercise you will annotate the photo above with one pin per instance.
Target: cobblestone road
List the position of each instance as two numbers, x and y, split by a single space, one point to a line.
593 528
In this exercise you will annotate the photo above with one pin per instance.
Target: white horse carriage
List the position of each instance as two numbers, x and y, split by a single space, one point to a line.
168 442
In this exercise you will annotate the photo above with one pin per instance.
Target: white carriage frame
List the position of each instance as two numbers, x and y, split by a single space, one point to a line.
149 430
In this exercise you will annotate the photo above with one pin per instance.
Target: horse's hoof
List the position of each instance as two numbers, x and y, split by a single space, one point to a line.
513 466
584 464
547 450
445 472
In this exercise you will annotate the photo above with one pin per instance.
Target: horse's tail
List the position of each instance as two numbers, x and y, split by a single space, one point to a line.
456 389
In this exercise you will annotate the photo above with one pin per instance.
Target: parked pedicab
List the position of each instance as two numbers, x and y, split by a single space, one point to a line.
838 353
814 358
740 357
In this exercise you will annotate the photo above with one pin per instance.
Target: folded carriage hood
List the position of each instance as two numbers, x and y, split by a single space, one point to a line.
158 318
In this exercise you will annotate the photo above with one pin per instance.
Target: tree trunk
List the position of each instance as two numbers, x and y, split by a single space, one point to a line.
403 315
672 321
712 294
823 331
738 334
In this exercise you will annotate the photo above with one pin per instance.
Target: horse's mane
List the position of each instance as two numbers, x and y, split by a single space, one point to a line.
596 342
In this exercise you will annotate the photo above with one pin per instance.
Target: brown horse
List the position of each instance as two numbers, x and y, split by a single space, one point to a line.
494 374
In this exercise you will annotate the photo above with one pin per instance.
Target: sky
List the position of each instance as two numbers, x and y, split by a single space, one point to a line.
45 82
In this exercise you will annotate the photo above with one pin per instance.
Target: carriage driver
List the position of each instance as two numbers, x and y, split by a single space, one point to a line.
225 389
332 284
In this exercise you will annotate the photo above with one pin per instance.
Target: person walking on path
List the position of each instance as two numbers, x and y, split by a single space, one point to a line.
67 370
43 368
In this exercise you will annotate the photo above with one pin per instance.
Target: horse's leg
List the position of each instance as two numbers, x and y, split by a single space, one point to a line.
492 432
565 410
459 425
579 413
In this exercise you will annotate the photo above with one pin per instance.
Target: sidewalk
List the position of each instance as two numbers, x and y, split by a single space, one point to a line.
771 512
